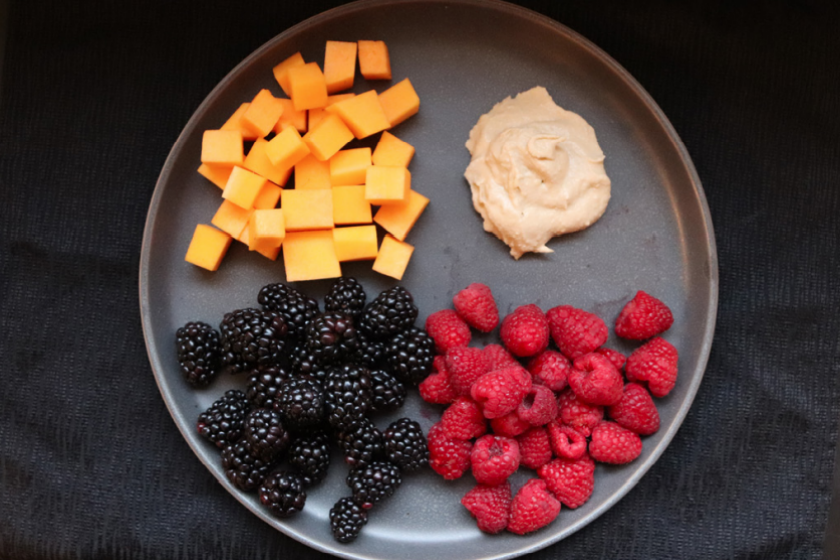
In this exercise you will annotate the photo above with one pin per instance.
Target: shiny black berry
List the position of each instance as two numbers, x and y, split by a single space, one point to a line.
347 519
392 312
282 492
223 422
405 445
361 444
199 352
370 353
264 385
251 338
410 354
294 306
302 403
245 470
265 434
349 395
331 337
374 482
346 296
310 455
388 392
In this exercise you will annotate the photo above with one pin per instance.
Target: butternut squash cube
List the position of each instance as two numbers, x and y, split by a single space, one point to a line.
312 173
281 71
291 117
393 257
374 62
355 243
315 116
263 113
286 149
339 65
310 255
267 227
387 185
399 102
265 249
362 113
207 247
231 219
216 174
398 219
333 99
329 136
235 123
392 151
309 88
222 147
350 206
349 167
269 197
308 209
258 162
242 187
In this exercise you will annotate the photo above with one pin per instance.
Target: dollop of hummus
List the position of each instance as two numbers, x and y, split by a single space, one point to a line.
536 172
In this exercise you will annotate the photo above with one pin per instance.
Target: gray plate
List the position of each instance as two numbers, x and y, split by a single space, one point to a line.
462 57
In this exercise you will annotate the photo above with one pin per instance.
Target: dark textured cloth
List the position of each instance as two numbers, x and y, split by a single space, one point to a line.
95 93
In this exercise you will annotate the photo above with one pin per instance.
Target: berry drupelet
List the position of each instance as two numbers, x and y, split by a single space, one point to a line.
392 311
294 306
199 352
346 520
251 338
310 455
301 402
410 355
223 422
346 296
374 482
283 493
405 445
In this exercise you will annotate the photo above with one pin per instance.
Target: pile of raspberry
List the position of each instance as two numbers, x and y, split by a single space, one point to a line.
554 411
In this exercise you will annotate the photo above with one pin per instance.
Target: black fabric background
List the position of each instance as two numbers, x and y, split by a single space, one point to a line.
93 97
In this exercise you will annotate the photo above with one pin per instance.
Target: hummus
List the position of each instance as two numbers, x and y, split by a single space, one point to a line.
537 172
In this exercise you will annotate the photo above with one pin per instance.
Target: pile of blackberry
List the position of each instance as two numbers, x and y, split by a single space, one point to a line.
313 381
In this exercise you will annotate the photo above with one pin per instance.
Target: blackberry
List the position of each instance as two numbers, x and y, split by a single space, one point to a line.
346 296
264 385
265 435
199 350
391 312
331 337
301 402
388 392
251 338
405 445
310 455
242 468
222 423
410 354
361 444
283 494
370 353
346 520
294 306
304 362
348 395
373 483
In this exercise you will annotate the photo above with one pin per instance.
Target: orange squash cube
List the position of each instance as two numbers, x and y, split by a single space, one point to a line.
349 167
207 247
329 136
309 88
258 162
362 113
235 123
269 197
355 243
339 65
391 151
399 102
231 219
308 209
281 71
222 147
312 173
315 116
265 249
286 149
243 187
398 219
393 257
267 227
387 185
333 99
263 113
216 174
374 62
290 117
310 255
350 205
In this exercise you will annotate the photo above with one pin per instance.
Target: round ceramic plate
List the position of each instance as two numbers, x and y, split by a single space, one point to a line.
462 56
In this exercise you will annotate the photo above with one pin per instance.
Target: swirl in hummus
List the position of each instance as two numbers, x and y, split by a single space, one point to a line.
536 172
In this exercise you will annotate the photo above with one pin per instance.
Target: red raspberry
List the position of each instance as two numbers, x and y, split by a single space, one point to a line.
490 505
534 448
499 357
550 369
463 419
636 411
448 330
493 459
509 425
500 392
613 444
566 441
525 331
448 457
575 331
614 356
436 388
654 362
578 414
644 316
532 508
464 365
539 406
571 481
476 306
595 380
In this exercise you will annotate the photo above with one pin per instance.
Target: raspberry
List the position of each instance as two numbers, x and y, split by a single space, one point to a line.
575 331
525 331
578 414
490 505
614 356
510 425
538 407
595 380
571 481
463 419
448 330
654 362
613 444
566 441
644 316
476 306
448 457
493 459
436 388
464 366
534 448
499 357
636 411
532 508
551 369
500 392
